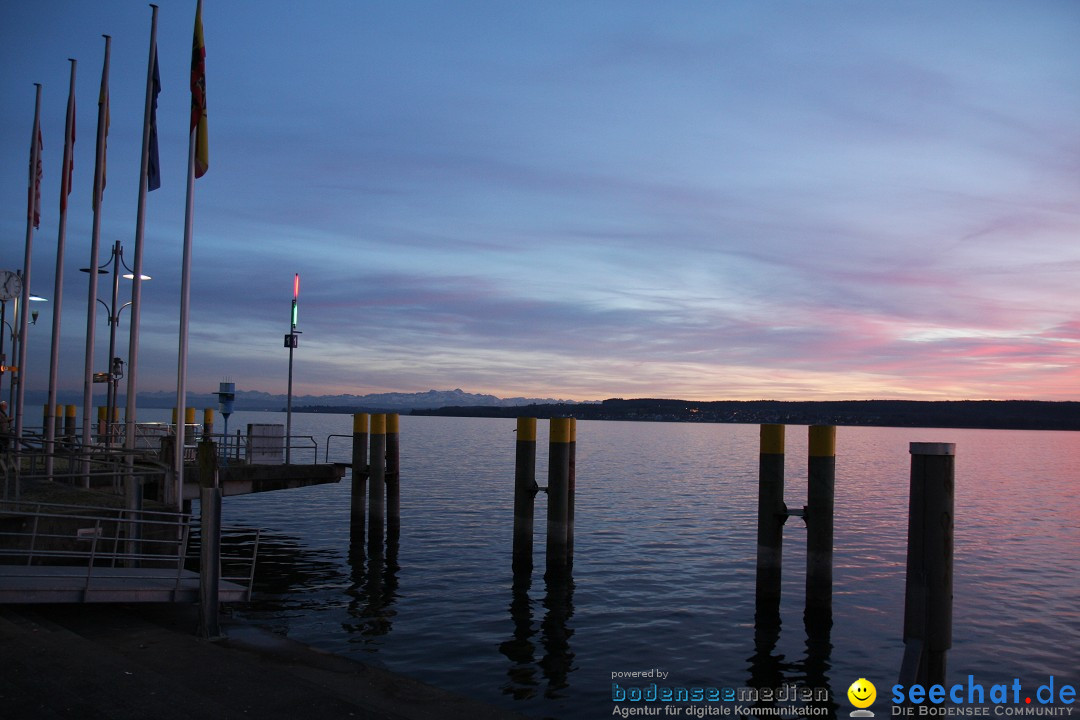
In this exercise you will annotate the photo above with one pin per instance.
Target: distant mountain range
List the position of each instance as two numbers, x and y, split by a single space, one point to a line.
255 400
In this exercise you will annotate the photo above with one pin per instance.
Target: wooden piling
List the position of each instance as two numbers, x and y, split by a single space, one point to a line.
819 523
525 489
377 484
359 474
70 416
558 493
772 513
207 422
571 488
928 591
210 539
393 477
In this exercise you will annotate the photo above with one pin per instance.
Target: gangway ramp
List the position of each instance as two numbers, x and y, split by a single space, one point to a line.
53 553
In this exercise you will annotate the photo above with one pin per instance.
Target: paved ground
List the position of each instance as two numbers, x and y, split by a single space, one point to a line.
128 662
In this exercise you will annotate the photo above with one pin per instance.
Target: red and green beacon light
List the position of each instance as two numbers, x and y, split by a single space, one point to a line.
292 339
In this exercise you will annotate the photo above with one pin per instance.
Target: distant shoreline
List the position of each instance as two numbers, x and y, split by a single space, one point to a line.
975 414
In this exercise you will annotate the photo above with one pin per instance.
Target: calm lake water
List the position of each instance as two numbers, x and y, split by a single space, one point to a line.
663 575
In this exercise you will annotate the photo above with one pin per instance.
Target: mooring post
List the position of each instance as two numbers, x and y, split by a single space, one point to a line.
525 489
210 539
772 514
571 486
102 423
359 474
70 415
928 592
393 477
819 523
377 484
558 492
207 422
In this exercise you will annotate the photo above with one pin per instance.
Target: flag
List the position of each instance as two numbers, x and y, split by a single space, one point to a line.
105 138
103 130
153 168
69 153
198 97
34 191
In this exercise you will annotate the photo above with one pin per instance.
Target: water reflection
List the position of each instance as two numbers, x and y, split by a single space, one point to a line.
374 588
285 570
528 676
770 669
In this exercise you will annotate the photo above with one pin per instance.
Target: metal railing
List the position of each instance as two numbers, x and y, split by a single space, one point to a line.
84 543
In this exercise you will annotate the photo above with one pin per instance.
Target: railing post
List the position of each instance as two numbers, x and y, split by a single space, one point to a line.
928 591
819 523
357 507
558 493
525 489
377 484
210 539
772 513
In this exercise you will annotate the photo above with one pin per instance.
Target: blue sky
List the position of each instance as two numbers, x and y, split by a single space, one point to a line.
745 199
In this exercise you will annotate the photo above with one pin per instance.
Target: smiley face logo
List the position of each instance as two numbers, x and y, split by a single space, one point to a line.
862 693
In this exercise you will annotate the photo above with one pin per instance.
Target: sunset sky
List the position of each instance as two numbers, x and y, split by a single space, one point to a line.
808 199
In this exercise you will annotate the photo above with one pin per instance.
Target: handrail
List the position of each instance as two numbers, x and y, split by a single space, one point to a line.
156 541
326 457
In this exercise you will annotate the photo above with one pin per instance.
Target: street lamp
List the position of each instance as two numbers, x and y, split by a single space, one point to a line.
11 289
116 365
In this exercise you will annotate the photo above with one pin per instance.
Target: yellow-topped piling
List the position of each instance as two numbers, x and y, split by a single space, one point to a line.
393 478
561 434
357 507
822 441
772 514
525 489
821 488
377 484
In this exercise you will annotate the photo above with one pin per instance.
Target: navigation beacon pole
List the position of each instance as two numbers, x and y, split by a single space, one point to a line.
291 341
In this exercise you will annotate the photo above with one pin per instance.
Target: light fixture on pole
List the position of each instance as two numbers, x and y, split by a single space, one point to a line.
11 287
115 364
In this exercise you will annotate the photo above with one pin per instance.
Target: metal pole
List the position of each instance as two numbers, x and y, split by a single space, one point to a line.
95 240
114 320
140 225
58 282
291 341
35 184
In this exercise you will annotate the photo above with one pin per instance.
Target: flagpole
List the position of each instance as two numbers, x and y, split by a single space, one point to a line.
140 230
58 283
31 222
95 237
197 127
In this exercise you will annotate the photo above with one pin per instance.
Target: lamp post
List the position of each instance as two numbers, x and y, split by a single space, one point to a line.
291 341
116 365
11 289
